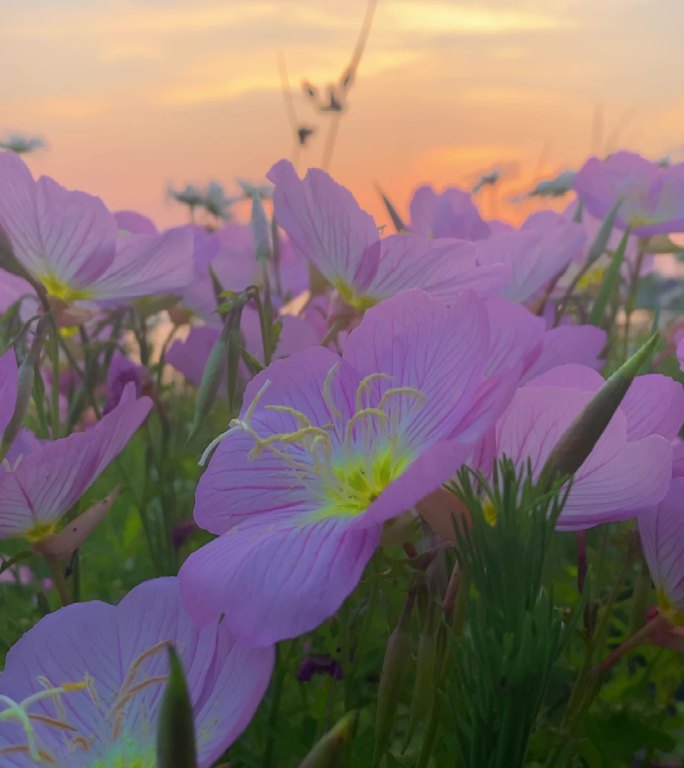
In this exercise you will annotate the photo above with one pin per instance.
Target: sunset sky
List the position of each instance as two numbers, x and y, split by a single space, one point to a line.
134 95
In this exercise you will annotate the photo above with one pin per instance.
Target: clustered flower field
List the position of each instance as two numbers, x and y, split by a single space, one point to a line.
305 492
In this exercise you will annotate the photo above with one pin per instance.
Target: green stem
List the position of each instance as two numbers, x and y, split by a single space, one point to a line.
279 681
58 577
632 296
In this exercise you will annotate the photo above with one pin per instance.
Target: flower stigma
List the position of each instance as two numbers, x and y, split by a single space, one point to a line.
349 460
13 710
112 747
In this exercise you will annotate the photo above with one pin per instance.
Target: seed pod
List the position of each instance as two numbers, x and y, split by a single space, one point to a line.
261 229
220 357
426 665
392 678
62 545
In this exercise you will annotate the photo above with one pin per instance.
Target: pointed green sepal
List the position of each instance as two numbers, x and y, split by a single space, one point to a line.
394 215
176 730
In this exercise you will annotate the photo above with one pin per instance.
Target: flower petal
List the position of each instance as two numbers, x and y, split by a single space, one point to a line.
146 265
661 529
326 225
441 267
422 344
276 578
449 214
54 231
654 404
8 387
49 480
569 344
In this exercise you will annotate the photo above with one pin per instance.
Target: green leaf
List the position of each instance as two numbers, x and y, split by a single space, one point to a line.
394 215
603 235
254 365
620 735
610 283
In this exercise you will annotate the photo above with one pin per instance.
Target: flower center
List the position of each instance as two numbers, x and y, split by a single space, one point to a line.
60 289
113 746
671 612
358 481
40 531
352 298
349 461
592 279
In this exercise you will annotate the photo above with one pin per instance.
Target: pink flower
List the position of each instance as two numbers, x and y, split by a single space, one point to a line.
662 539
329 229
536 253
449 214
328 448
70 243
96 673
652 197
630 467
40 482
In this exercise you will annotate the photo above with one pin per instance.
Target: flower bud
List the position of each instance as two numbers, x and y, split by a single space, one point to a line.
176 730
392 678
581 436
327 753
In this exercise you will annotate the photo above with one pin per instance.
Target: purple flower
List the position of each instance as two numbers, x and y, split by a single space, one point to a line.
661 529
326 449
652 197
190 356
69 242
231 255
83 687
319 664
135 223
122 372
329 229
40 482
449 214
630 466
568 344
536 253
